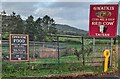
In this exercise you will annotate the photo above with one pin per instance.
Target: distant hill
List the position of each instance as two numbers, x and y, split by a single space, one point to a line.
69 29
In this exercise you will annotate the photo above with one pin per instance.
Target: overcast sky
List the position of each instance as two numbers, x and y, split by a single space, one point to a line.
75 14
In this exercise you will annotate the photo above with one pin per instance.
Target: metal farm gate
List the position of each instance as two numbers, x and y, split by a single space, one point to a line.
85 50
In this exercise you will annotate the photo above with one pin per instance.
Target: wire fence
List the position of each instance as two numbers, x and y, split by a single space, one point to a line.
82 50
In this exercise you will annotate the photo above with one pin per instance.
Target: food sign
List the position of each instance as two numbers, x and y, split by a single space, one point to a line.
19 47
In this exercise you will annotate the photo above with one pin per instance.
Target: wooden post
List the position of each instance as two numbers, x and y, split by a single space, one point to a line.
58 50
93 44
111 52
83 51
93 49
114 56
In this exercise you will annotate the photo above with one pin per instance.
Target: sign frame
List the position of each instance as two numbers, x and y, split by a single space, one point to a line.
105 17
10 47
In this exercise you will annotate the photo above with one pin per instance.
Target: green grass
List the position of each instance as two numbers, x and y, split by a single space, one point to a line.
70 59
27 73
78 46
63 59
55 69
45 60
50 66
46 67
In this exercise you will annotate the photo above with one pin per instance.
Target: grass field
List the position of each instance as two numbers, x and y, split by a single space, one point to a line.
69 64
27 69
64 59
47 67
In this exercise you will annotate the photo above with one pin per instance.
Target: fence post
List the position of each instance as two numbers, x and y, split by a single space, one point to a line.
114 56
58 49
111 52
93 49
83 50
93 44
34 49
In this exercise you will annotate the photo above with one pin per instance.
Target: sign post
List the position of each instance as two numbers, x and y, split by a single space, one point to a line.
104 21
19 47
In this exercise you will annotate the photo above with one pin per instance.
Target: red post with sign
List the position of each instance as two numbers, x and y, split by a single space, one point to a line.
103 20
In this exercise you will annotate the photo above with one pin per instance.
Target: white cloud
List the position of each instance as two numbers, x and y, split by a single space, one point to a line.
46 11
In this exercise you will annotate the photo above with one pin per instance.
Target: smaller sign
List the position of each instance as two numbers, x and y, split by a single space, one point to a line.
19 47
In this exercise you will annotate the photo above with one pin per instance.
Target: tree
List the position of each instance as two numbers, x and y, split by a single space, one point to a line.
52 30
19 29
12 23
9 23
39 31
3 12
13 13
47 22
48 26
30 27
